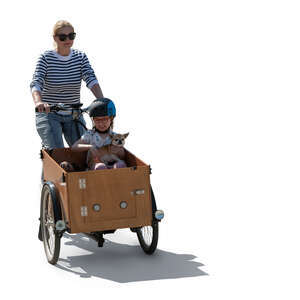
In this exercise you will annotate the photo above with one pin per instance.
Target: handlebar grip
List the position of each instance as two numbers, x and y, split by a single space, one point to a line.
36 110
52 108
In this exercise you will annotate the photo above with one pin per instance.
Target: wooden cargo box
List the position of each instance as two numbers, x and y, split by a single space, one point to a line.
123 195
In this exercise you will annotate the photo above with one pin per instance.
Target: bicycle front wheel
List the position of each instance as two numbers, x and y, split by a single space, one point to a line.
51 238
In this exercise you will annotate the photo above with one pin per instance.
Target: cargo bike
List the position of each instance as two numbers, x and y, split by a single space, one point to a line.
95 202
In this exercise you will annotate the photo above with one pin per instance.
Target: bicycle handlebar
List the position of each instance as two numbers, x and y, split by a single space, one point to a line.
66 107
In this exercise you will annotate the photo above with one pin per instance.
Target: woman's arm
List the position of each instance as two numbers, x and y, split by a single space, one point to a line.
96 90
38 103
37 84
90 78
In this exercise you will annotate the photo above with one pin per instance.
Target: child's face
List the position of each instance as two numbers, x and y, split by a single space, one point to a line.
102 123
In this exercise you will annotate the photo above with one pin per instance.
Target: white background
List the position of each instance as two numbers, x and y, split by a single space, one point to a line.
209 91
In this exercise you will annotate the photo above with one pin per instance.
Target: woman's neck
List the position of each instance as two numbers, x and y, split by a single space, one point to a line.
63 52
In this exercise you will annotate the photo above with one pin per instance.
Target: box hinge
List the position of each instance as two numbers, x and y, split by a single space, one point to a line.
84 211
82 183
138 192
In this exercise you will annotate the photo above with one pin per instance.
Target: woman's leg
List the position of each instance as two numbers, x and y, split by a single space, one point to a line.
49 130
69 129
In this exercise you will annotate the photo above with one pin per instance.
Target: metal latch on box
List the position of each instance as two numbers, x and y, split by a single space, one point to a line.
82 183
138 192
84 211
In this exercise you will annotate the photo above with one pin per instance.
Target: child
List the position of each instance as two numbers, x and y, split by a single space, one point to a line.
102 111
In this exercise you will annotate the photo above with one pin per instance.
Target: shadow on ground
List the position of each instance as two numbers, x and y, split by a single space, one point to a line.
125 263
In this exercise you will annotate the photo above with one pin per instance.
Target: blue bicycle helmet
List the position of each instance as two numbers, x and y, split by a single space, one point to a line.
102 107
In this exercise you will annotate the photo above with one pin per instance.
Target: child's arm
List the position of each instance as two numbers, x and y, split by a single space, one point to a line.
81 145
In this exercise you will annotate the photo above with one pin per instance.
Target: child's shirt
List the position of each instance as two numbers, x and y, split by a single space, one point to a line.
93 138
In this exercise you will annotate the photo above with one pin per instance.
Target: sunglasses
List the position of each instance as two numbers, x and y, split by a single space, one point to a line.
62 37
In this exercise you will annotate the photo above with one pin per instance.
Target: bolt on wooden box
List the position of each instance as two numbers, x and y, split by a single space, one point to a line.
102 199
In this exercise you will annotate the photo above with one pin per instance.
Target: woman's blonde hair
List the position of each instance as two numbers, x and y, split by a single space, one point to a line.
58 25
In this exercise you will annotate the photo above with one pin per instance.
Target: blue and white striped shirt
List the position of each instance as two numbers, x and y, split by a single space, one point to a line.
58 78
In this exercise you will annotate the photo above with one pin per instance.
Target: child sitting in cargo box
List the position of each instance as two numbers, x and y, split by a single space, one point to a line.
102 111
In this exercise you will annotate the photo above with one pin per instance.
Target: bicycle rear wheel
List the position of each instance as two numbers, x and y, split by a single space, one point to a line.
148 237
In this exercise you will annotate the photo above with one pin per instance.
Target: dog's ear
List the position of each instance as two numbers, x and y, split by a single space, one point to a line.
111 135
126 135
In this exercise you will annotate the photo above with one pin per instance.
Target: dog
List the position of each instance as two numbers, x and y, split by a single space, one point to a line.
108 154
67 166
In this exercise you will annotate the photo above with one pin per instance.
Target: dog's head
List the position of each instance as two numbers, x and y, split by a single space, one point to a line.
118 139
67 166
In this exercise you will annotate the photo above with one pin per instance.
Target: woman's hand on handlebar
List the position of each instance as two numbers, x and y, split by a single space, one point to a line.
42 107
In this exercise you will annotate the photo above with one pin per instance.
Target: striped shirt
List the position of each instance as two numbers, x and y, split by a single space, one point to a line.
58 78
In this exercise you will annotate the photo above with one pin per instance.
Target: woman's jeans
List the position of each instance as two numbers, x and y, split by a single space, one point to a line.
52 126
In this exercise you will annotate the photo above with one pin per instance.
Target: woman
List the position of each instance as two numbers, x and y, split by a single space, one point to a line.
57 79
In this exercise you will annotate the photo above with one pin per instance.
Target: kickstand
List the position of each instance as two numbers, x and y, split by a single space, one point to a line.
100 239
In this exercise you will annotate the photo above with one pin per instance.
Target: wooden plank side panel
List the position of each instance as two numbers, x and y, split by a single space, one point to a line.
79 158
66 154
108 188
132 160
53 172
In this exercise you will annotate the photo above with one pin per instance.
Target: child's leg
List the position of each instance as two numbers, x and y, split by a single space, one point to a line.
99 166
120 164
